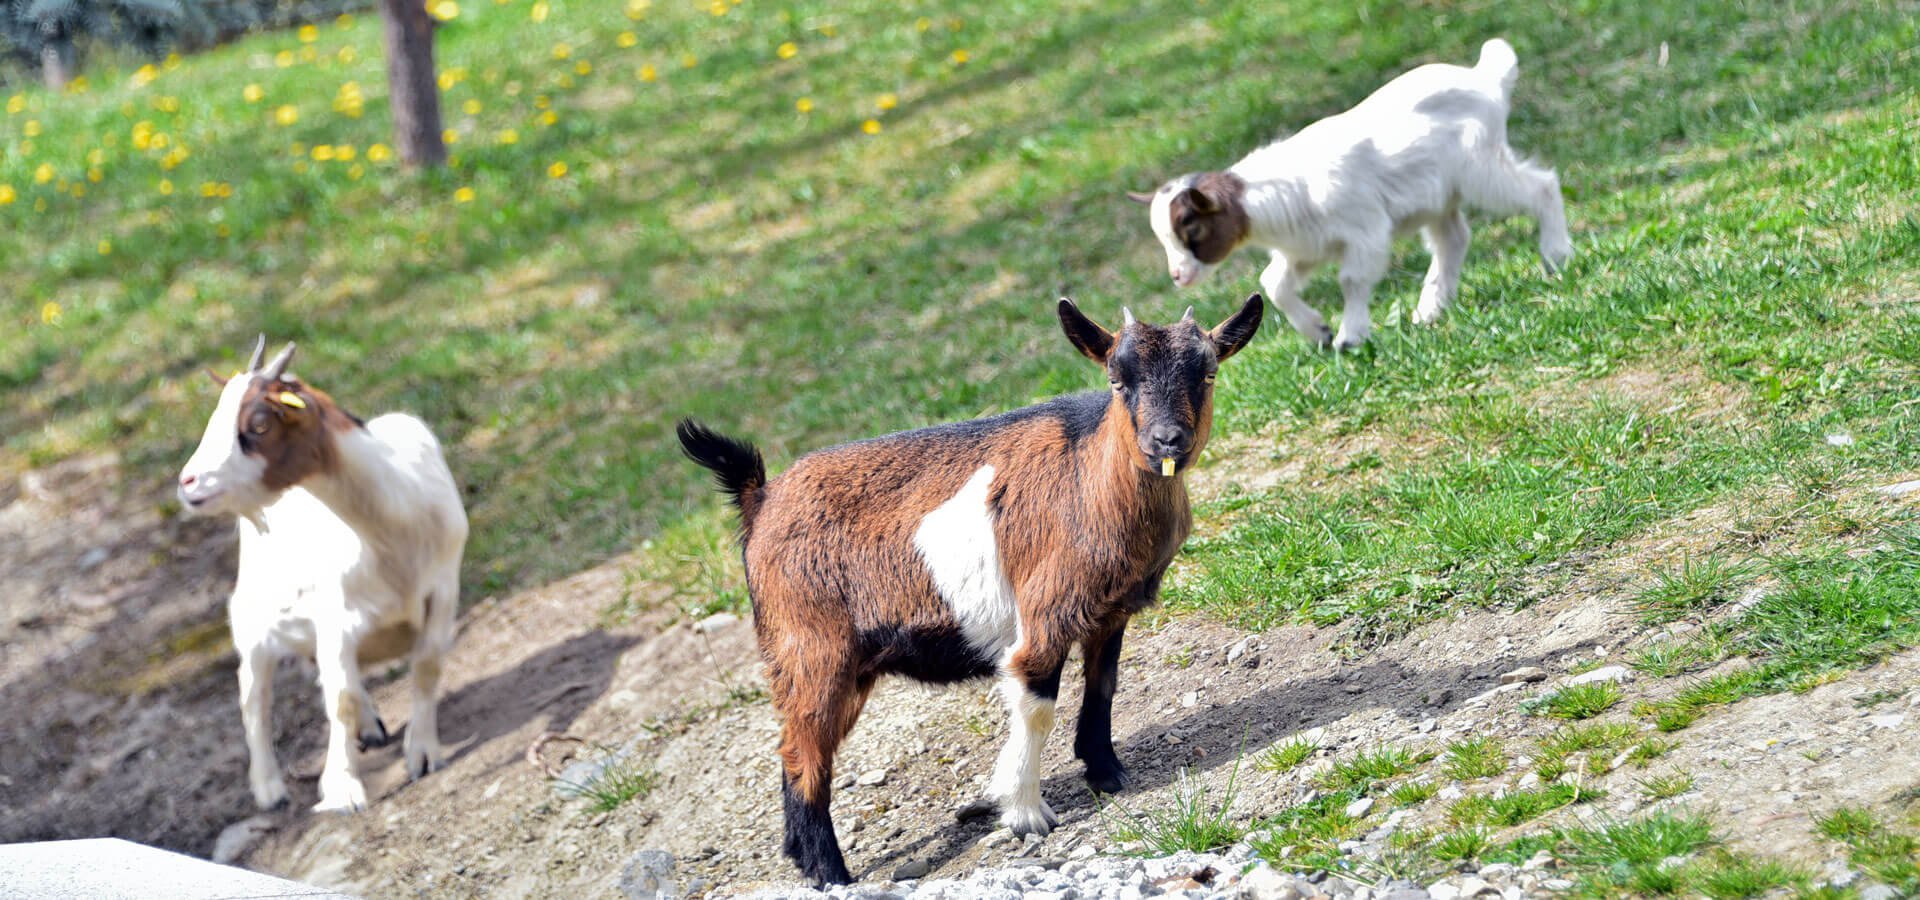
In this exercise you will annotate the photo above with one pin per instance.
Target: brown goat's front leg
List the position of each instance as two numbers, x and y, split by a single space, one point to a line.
1030 685
816 715
1093 734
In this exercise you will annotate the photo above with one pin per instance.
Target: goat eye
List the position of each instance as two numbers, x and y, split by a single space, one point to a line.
1210 377
259 422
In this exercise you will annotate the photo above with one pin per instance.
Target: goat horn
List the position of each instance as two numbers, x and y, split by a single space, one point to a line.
259 353
1188 317
1128 313
278 367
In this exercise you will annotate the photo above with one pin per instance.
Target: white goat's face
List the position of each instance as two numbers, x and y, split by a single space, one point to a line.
221 476
1199 220
1185 267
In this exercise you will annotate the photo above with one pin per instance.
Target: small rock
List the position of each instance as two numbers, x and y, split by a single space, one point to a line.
236 839
1427 726
1898 490
1604 673
1894 720
1524 675
1840 439
1354 688
912 868
1538 861
649 876
1473 886
1879 892
1190 699
1441 890
1359 808
871 778
1245 652
1263 883
1557 884
714 623
1451 792
1839 874
93 558
1438 697
1496 871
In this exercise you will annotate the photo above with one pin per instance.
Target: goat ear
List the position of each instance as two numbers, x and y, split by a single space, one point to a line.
1145 197
1093 341
1229 336
1201 202
218 378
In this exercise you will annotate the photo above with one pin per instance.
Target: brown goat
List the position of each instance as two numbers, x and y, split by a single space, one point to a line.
985 547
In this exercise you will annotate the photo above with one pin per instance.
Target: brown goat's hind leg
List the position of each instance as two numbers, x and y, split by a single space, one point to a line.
816 718
1093 733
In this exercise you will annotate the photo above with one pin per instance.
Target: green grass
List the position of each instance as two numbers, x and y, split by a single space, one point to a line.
1476 757
1662 787
1361 770
1518 806
1412 793
1889 856
1306 837
1461 844
711 250
1691 587
1287 755
1580 701
617 783
1194 821
1645 752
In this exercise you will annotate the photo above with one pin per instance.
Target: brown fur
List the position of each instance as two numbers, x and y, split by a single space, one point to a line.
295 442
1210 217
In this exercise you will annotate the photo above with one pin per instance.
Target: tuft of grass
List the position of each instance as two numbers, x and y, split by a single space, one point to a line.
1194 822
617 783
1662 787
1461 844
1728 876
1307 837
1581 701
1644 841
1518 807
1645 752
1362 769
1691 588
1475 757
1847 824
1412 793
1287 755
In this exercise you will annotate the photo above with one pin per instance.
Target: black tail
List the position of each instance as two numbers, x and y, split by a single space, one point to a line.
736 465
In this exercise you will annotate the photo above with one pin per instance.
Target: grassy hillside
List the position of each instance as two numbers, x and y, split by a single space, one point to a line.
815 221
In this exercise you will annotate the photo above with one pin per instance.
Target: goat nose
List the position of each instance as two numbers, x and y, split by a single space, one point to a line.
1168 438
188 480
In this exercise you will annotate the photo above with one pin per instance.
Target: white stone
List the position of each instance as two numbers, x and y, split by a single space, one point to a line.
1523 675
871 777
1359 808
1604 673
714 623
1893 720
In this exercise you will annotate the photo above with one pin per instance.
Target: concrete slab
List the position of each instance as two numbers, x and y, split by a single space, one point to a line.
113 869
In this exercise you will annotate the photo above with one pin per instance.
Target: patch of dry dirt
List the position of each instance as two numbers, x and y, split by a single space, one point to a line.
117 663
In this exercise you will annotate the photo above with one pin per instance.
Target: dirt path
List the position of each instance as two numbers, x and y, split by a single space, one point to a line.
116 663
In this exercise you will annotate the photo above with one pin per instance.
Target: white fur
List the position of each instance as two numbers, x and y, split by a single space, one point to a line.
326 564
956 540
1016 777
1407 157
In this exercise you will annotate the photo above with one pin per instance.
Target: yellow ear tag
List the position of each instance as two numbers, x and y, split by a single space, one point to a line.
1166 467
289 398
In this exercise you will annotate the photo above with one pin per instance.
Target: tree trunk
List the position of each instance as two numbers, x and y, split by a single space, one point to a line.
57 62
414 94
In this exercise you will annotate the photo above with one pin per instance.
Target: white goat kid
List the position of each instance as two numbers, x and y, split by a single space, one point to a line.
350 542
1407 157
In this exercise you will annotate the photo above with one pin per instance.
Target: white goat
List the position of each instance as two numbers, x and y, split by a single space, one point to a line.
1343 188
350 543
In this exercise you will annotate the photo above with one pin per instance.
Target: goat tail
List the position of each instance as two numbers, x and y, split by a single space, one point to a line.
736 466
1498 60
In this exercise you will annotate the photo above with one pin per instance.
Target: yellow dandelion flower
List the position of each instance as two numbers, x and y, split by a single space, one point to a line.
96 157
463 195
283 59
788 50
626 39
549 117
225 190
688 60
165 187
159 141
300 167
308 54
379 153
542 101
557 170
347 55
804 104
637 8
105 247
323 153
95 174
449 136
287 115
344 21
922 24
308 34
355 171
539 13
583 67
78 85
444 10
648 72
43 174
959 57
26 148
8 194
508 136
79 190
562 50
471 107
870 126
718 8
16 104
887 101
32 128
344 152
222 230
252 93
144 76
209 189
171 62
50 313
828 30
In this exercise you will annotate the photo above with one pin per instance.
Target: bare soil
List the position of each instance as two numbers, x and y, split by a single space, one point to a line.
116 687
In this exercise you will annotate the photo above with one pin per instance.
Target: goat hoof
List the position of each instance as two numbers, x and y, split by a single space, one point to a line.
424 766
1349 344
373 739
1023 821
1108 779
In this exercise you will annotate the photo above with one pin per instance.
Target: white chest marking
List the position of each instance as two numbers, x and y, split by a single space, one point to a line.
956 540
